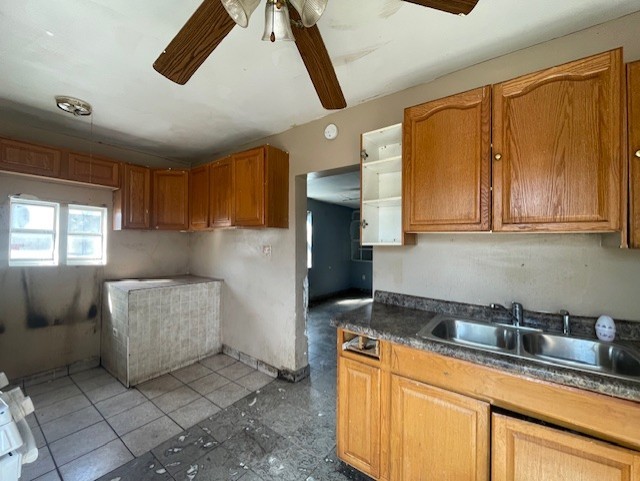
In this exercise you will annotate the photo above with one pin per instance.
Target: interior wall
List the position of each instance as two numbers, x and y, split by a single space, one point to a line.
50 316
332 270
269 293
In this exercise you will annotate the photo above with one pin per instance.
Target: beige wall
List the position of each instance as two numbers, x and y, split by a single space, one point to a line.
263 304
62 296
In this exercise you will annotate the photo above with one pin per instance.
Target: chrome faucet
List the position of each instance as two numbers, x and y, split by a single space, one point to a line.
566 326
516 312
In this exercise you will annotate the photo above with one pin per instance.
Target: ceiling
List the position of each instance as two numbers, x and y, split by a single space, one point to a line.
102 51
340 189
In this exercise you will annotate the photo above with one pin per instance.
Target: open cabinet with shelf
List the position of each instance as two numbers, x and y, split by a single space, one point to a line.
381 190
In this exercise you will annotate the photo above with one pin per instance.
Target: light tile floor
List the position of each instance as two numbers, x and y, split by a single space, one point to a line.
216 419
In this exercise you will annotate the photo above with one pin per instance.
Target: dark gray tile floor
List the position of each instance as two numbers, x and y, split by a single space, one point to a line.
280 431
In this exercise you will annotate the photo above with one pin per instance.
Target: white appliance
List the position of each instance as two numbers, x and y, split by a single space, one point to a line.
17 445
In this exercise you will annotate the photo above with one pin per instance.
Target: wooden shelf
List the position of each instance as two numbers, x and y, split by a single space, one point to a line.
385 202
383 166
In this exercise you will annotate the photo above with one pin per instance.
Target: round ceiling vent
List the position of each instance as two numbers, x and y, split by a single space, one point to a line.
73 106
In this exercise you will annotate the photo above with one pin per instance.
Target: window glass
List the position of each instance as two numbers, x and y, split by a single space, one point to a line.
33 233
86 235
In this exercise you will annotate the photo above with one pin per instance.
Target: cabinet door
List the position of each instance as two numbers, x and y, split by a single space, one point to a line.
557 148
92 170
29 158
199 198
358 425
633 83
447 162
131 203
249 188
523 451
436 434
221 183
170 199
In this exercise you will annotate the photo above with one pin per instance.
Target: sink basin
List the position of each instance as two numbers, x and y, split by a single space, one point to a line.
535 345
479 334
583 353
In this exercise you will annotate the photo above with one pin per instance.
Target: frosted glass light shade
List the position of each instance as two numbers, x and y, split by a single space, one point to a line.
240 10
277 25
310 10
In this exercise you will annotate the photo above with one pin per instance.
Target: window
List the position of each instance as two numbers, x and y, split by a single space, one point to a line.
86 235
41 233
309 238
33 238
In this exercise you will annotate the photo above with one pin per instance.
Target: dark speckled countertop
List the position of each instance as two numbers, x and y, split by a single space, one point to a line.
398 318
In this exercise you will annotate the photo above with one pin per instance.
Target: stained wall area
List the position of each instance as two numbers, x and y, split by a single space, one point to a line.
50 316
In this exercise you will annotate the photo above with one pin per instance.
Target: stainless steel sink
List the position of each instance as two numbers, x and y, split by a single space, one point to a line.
489 336
583 353
607 358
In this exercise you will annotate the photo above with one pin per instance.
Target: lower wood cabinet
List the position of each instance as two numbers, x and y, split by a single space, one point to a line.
437 434
524 451
358 419
414 415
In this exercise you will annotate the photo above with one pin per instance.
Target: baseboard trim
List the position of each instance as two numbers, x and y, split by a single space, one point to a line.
284 374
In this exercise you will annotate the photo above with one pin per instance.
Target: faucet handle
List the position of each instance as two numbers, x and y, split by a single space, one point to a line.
566 322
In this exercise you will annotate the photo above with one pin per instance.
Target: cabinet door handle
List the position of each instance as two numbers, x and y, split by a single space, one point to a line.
498 156
638 153
364 224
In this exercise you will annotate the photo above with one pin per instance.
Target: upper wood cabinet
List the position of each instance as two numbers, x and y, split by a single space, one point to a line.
633 111
261 188
132 202
523 451
29 158
199 198
436 434
170 206
447 164
358 421
557 148
221 193
93 170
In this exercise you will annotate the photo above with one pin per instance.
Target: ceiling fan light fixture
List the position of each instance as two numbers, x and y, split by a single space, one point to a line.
277 25
310 10
240 10
73 106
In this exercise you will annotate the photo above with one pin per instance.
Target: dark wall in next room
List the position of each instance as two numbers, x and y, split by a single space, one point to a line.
332 269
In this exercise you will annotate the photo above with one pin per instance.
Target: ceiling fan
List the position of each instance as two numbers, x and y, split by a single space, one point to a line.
214 19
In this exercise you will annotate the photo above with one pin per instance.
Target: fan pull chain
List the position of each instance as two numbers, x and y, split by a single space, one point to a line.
272 37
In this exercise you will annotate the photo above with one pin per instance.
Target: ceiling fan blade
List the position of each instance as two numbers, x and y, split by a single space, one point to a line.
451 6
316 58
195 41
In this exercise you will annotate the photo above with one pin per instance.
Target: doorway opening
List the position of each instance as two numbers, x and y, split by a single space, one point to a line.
339 268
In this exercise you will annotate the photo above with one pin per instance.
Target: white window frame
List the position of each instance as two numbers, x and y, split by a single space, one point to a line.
103 236
55 232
